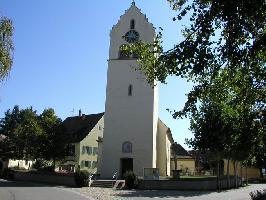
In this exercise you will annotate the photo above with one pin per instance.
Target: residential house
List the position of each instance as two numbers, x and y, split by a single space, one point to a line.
84 133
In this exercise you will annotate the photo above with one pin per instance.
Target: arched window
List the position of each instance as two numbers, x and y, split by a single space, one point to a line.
127 147
130 88
132 24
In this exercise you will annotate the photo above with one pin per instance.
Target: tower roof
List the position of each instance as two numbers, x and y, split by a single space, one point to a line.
132 8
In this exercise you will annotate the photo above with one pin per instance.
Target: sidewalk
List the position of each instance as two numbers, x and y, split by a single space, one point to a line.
110 194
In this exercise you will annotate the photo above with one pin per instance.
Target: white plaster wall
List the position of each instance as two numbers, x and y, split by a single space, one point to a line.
155 122
20 163
161 148
168 156
183 163
129 118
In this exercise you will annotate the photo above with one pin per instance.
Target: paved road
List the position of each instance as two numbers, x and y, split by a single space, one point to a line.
31 191
109 194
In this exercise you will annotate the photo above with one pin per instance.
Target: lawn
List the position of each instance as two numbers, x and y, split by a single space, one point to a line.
197 177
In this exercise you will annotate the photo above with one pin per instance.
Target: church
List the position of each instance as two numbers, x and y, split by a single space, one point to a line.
134 137
129 136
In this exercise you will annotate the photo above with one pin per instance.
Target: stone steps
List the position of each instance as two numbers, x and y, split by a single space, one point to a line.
103 183
116 184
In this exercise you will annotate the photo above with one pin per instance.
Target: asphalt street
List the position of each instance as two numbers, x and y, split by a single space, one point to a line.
31 191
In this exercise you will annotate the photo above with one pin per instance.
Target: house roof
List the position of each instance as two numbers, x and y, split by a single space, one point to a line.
181 152
77 128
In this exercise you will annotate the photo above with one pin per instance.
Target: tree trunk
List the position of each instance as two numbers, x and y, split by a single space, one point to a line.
235 178
175 159
261 174
246 175
228 174
236 174
241 174
218 175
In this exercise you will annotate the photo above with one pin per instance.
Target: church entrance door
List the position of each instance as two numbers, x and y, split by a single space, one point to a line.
126 165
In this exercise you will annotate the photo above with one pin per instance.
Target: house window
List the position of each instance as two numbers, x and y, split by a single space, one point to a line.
88 164
130 88
132 24
95 151
100 128
89 150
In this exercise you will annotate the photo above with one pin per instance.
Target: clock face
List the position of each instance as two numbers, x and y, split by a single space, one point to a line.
132 36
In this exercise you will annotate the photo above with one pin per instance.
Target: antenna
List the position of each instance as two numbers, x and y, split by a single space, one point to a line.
72 111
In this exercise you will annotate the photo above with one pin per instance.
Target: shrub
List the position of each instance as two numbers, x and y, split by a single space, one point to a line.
39 163
258 195
7 174
130 179
1 165
46 169
82 178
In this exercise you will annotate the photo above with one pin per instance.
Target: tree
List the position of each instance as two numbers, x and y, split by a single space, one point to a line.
6 47
30 136
174 150
27 134
223 54
53 141
8 125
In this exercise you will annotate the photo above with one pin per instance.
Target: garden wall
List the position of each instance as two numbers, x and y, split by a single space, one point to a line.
185 184
54 179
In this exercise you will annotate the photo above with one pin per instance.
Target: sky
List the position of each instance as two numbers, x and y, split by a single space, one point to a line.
61 52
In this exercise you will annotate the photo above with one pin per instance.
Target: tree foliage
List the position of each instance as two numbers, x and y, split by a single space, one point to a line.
6 46
223 54
32 136
53 142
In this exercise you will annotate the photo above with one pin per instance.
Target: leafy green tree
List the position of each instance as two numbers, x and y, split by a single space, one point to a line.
27 134
223 54
53 141
174 150
30 136
8 125
6 46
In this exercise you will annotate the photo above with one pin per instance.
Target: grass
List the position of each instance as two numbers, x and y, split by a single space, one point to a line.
197 177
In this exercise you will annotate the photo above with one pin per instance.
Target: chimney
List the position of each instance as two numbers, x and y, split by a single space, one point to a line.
80 112
83 116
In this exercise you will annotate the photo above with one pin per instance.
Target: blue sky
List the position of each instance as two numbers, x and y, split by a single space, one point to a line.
61 56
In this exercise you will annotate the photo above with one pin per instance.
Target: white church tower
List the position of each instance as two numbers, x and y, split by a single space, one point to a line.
131 109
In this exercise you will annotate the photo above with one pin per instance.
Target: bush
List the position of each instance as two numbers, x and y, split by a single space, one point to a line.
39 163
46 169
82 178
130 179
258 195
7 174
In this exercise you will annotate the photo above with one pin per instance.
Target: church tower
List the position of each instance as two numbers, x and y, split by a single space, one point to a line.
131 108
